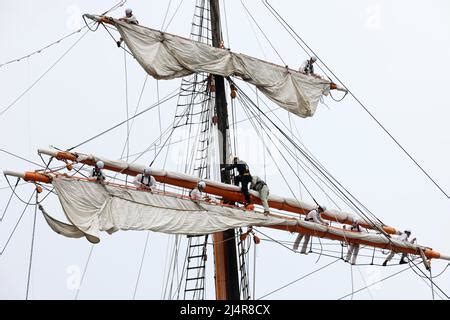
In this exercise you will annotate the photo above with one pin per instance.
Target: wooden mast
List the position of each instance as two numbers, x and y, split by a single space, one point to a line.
226 269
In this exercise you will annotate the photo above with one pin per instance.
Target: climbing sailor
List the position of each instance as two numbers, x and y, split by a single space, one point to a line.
145 180
312 216
353 248
129 18
403 236
243 177
307 67
196 193
259 185
97 172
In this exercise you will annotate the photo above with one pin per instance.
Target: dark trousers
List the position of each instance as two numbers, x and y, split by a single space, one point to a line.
244 180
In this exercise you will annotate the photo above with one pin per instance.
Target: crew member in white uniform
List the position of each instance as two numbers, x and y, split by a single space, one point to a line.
145 180
307 67
196 193
259 185
404 236
353 248
97 172
129 18
313 216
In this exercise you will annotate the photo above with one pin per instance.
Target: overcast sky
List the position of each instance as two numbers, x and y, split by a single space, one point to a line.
394 55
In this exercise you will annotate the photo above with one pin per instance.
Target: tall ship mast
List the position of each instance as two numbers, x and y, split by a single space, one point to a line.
99 194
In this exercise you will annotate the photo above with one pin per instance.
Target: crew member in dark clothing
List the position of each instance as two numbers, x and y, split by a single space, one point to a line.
244 177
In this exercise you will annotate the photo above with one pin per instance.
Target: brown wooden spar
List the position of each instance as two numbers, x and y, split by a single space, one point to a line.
429 253
30 176
227 192
293 225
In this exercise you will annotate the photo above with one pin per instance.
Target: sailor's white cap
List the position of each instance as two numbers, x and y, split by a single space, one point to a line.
201 184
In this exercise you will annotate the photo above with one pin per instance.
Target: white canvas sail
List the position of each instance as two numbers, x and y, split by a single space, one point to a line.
92 207
166 56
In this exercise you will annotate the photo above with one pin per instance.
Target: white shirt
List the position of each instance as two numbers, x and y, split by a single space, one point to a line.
314 215
195 194
144 181
307 67
255 181
403 236
131 19
303 66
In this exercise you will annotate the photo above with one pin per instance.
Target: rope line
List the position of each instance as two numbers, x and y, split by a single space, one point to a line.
374 283
168 97
263 33
32 248
366 109
140 267
3 111
17 223
9 200
301 278
84 272
331 179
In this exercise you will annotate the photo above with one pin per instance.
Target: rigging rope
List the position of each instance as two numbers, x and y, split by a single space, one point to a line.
431 284
167 98
140 266
163 292
257 130
84 272
174 14
291 153
9 200
7 187
254 272
14 192
366 109
365 283
351 275
330 178
428 284
165 16
17 223
32 247
42 49
298 170
301 278
3 111
374 283
429 278
135 111
159 110
263 33
226 23
127 142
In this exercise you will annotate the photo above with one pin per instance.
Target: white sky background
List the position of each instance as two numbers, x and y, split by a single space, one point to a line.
394 55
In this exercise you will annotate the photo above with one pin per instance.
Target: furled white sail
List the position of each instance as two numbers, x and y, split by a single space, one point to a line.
164 175
166 56
92 207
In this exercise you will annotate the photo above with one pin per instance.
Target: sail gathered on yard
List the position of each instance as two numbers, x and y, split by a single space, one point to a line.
92 207
166 56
